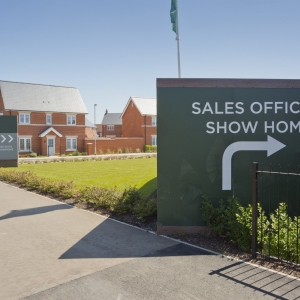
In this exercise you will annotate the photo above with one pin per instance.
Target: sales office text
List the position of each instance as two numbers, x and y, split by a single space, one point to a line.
255 108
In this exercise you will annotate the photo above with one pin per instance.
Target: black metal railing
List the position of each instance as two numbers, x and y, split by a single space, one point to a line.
275 213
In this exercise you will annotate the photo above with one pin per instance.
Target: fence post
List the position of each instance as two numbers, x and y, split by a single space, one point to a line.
254 208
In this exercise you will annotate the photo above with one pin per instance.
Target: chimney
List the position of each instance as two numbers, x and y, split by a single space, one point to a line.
106 112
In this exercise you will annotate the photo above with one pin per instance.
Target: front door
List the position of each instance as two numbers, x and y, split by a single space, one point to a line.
51 146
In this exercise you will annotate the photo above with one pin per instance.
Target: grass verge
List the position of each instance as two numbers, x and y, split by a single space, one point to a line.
117 174
129 201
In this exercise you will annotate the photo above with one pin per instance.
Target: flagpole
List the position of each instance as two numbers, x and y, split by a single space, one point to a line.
178 48
178 52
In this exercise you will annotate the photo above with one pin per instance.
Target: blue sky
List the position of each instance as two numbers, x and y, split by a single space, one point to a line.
113 49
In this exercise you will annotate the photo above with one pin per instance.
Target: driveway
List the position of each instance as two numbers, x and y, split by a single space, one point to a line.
49 250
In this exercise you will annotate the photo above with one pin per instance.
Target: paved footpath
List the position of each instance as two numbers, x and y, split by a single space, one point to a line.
49 250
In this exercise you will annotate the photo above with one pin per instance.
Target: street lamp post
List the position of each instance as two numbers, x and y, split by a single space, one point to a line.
95 134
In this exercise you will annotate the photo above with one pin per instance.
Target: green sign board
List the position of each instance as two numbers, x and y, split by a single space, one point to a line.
209 133
8 141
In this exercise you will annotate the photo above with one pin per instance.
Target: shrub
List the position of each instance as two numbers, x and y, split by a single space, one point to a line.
145 208
33 154
228 219
233 221
128 201
100 151
99 197
75 153
119 151
84 153
108 151
138 150
150 149
129 198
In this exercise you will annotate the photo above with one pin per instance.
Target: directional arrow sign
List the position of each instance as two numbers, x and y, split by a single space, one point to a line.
271 146
4 138
11 138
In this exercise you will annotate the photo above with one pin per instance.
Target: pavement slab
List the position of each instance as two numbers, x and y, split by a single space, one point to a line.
50 250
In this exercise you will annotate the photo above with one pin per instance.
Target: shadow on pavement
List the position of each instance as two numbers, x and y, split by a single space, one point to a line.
34 211
114 240
264 281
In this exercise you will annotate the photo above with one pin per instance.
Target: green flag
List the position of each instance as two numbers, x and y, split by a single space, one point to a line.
173 14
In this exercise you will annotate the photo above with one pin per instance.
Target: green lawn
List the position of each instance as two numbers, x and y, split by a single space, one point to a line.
139 172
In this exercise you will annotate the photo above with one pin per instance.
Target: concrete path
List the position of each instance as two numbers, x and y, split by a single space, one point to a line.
49 250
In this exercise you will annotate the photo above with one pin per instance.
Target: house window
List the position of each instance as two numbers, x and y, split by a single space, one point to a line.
71 120
154 121
111 127
24 118
154 140
71 143
48 119
25 144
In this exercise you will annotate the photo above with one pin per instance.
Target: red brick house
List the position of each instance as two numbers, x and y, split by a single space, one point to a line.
51 119
139 119
112 125
90 129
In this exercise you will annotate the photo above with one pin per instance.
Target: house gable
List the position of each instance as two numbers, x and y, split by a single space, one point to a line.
145 106
48 130
132 121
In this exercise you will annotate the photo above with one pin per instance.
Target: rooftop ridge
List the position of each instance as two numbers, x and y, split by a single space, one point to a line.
69 87
143 97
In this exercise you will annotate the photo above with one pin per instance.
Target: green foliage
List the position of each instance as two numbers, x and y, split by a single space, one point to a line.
128 201
98 197
150 149
280 235
145 208
30 180
128 150
222 219
138 150
33 154
129 198
119 151
276 235
75 153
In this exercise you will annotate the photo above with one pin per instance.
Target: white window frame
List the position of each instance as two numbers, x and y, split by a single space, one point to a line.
50 122
71 120
110 127
154 140
23 116
72 139
154 121
25 138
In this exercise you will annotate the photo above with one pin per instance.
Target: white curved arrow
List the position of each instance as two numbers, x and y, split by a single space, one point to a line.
271 145
4 138
11 138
